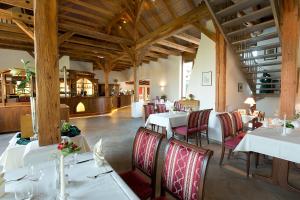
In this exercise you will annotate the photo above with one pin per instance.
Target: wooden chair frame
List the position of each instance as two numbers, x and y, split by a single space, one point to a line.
201 184
153 176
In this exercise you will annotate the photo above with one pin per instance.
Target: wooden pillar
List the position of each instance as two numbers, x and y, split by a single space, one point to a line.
106 83
289 47
3 89
47 71
220 72
135 83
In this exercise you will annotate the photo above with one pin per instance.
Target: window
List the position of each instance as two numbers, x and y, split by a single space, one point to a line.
186 75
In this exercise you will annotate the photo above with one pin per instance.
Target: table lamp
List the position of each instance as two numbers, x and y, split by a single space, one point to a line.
251 102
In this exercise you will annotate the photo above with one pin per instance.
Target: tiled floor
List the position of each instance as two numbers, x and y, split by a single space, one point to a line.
227 182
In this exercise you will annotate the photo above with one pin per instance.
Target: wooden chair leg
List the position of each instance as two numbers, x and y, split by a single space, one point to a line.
207 137
248 163
256 160
152 127
187 139
229 154
222 155
197 139
157 129
199 136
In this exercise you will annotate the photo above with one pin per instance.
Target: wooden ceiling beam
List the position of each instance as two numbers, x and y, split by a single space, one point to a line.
205 31
173 27
100 10
94 43
176 46
10 15
64 37
27 4
188 38
24 28
163 50
62 19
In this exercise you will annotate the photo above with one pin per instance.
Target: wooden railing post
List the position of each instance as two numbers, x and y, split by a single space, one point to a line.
135 83
47 71
106 83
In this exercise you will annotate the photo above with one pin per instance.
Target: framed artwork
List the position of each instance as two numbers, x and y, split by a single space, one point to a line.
270 52
240 87
206 78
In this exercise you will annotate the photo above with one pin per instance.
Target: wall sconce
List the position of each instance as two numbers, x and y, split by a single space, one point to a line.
162 88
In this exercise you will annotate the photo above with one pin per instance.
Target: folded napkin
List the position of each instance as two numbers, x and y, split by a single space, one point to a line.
98 153
73 131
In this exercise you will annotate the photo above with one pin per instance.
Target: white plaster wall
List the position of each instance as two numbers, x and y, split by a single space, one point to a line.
12 58
81 66
235 99
269 105
205 61
164 72
121 76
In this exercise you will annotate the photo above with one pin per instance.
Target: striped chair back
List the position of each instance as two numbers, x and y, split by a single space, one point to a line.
226 125
161 108
184 170
178 106
149 109
237 121
193 119
145 149
205 117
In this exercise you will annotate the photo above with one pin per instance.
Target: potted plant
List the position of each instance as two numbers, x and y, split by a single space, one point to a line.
164 97
288 127
191 96
29 73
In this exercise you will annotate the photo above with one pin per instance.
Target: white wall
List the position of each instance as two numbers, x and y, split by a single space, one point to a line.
12 58
205 61
164 72
120 76
235 99
269 105
81 66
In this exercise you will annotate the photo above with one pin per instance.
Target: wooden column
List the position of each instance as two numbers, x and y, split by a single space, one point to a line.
106 83
135 82
289 47
220 72
3 89
47 71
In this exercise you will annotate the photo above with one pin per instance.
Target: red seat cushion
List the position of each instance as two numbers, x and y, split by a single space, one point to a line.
232 142
203 127
183 130
140 186
241 134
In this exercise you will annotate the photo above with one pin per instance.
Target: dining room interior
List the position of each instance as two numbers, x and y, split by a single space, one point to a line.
150 99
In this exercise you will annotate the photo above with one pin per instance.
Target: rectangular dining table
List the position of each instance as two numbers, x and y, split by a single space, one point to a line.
167 121
81 184
283 149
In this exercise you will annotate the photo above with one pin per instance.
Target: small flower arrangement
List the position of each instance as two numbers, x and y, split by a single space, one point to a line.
289 125
68 148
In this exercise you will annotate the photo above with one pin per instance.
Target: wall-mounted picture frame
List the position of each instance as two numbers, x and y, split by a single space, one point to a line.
270 52
207 78
240 87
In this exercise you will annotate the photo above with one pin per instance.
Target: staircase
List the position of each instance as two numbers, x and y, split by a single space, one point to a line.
250 27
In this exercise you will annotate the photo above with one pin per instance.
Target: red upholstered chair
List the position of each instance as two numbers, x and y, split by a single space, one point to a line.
229 140
191 128
238 124
204 119
148 110
178 106
144 159
184 171
161 108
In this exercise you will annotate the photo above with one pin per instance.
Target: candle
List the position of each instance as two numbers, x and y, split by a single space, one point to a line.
62 178
284 125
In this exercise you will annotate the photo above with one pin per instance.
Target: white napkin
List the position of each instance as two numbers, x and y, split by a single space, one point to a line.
98 153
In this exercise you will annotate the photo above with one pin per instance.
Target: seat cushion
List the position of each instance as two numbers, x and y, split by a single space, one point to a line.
232 142
203 127
140 186
241 134
183 130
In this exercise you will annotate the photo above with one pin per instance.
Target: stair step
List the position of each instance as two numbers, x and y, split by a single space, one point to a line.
250 29
259 48
241 5
264 12
264 64
267 83
273 78
254 40
268 89
266 71
262 56
262 95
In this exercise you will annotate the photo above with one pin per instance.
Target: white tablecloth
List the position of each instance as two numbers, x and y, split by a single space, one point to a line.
269 141
108 186
13 156
168 120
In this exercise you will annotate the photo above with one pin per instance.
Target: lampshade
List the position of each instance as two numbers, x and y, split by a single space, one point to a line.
250 101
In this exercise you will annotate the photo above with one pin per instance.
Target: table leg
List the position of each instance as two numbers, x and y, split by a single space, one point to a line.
279 176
